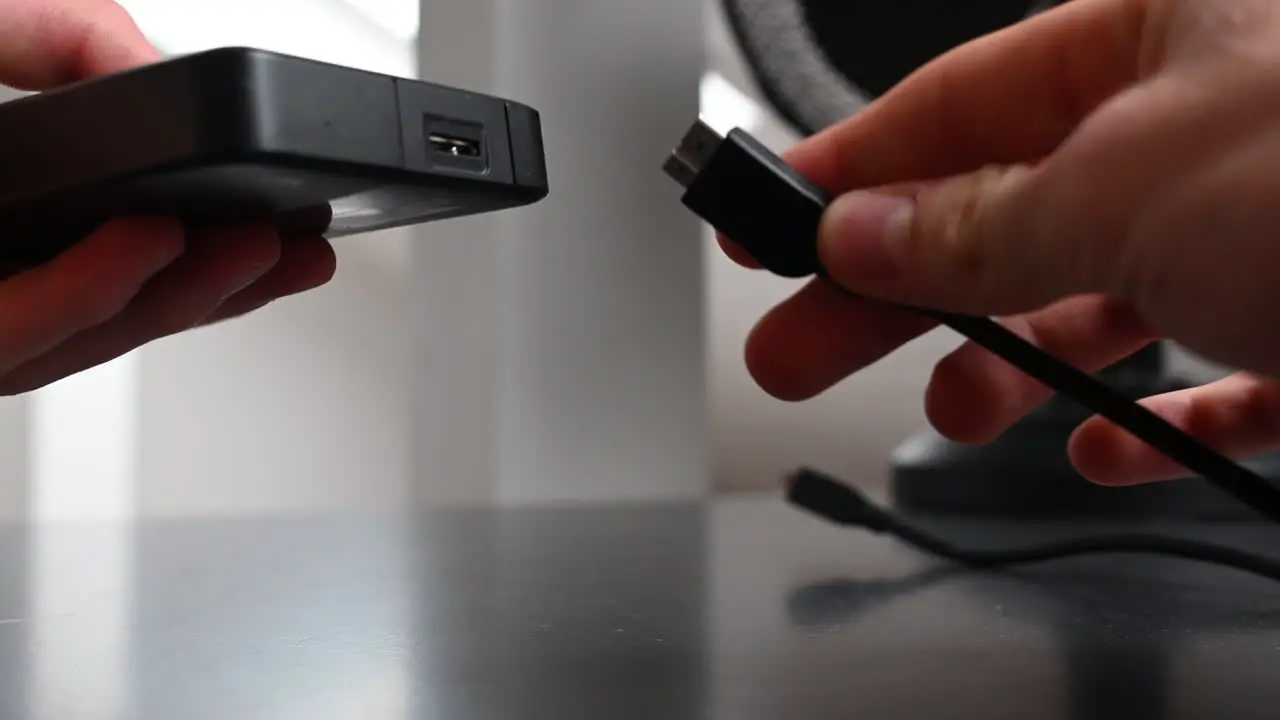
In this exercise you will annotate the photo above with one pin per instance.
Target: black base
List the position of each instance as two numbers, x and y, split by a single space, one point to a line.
1026 473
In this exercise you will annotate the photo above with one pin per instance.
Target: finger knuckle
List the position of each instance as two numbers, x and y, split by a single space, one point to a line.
1028 262
960 221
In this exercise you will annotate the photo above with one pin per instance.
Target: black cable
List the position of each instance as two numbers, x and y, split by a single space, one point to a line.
826 497
1245 485
773 213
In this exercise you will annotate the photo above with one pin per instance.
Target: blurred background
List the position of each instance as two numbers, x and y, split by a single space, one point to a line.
588 348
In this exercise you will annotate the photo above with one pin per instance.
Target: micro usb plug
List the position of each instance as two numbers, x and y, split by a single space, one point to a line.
747 192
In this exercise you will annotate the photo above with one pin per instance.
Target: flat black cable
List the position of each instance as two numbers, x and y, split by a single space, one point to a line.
826 497
744 190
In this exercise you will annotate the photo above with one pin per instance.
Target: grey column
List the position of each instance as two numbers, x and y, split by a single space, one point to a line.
560 347
14 433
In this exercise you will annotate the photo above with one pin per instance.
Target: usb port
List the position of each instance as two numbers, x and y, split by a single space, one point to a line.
456 143
456 146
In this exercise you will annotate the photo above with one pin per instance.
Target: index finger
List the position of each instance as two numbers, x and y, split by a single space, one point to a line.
48 43
1011 96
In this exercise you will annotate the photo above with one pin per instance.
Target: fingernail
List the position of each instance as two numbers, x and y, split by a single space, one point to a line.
864 234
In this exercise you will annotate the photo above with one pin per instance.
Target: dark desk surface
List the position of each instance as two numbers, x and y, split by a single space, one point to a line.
741 610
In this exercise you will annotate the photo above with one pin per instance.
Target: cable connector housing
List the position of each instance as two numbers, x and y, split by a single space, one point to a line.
832 500
747 192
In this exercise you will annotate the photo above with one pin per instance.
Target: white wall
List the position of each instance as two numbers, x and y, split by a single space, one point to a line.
299 407
14 465
13 434
337 31
561 345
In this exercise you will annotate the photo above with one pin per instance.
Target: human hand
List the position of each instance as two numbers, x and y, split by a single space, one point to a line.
1098 177
135 279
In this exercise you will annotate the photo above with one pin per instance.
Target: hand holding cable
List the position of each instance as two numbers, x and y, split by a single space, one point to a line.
1097 177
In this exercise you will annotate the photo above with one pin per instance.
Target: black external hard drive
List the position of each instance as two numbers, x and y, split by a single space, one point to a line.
240 134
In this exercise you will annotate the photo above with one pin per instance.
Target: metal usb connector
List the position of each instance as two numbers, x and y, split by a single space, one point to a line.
693 153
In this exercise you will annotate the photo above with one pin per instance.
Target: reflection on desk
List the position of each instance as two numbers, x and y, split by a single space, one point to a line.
741 609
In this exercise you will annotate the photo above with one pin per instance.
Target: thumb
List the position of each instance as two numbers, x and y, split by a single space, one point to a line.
48 43
980 244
